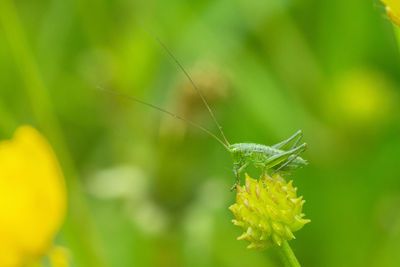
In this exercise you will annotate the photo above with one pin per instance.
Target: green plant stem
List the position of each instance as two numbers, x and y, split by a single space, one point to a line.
288 256
397 34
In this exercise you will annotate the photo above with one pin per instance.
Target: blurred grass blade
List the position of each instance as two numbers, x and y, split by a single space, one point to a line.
78 227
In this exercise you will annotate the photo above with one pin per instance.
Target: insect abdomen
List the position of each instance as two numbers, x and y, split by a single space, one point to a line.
250 148
256 152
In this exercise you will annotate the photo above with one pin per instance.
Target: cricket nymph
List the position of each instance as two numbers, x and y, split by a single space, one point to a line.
260 154
274 158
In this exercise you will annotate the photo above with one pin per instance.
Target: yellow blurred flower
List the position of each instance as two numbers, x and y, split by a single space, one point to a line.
58 257
361 99
393 10
32 197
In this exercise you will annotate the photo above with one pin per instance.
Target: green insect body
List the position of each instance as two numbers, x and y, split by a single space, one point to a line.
266 158
278 157
262 156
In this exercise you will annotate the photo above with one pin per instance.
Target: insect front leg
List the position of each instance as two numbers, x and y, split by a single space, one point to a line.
298 134
237 170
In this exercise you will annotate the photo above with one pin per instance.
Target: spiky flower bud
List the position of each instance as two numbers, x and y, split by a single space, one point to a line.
268 211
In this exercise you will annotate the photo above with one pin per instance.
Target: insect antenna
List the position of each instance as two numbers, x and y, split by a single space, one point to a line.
188 77
164 111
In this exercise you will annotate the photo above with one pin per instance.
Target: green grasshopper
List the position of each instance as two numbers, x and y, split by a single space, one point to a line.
275 157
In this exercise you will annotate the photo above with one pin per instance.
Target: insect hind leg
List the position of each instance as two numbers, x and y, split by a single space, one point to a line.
298 134
285 155
298 140
291 158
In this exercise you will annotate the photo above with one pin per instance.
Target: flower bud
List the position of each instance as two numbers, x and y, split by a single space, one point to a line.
268 211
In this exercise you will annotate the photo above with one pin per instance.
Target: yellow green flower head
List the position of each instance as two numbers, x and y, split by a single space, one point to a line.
32 198
268 211
393 10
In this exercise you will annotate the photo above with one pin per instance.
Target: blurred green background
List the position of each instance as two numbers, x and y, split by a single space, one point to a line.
146 190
